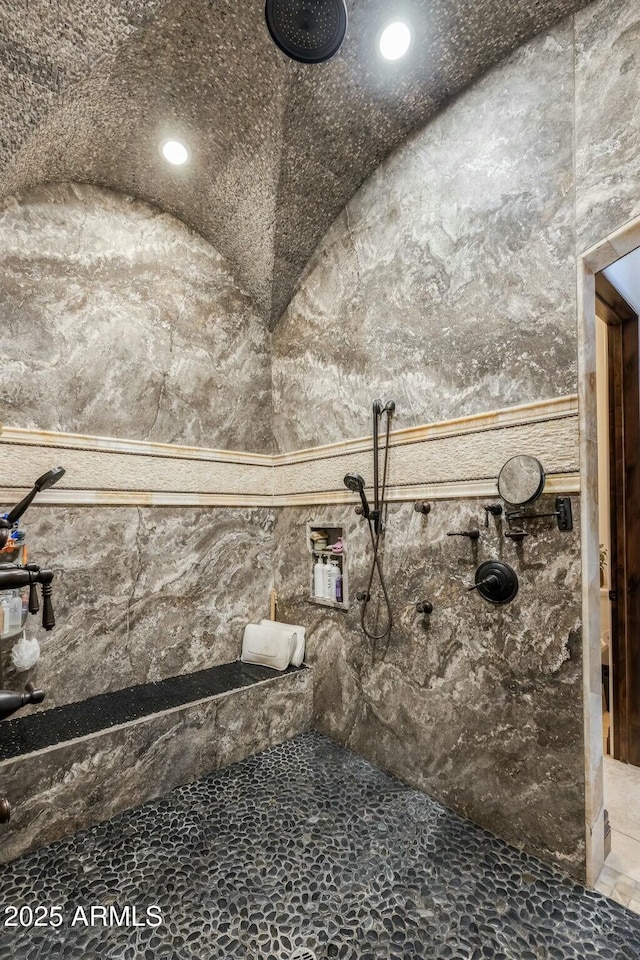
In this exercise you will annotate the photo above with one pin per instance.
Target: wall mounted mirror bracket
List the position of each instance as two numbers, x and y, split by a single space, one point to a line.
563 514
516 535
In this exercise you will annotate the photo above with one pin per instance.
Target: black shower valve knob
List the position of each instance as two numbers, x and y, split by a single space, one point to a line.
471 534
495 509
34 604
48 617
423 507
425 607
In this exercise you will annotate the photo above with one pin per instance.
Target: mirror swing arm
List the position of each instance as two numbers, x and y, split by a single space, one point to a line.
563 513
521 483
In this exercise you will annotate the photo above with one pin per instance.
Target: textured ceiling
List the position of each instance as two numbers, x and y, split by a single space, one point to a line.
87 91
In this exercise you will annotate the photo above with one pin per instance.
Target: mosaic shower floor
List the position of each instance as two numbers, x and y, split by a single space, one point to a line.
303 846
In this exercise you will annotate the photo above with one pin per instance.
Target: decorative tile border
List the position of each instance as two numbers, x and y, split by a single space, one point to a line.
451 459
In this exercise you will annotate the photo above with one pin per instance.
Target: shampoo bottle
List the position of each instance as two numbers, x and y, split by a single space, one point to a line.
335 581
318 579
331 581
326 585
338 584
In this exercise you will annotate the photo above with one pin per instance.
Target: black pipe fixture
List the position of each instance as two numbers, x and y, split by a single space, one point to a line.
309 31
15 577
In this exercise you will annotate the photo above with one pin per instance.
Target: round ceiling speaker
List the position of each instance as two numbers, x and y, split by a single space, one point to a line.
309 31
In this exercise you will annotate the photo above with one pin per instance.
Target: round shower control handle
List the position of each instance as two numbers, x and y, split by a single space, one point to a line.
425 607
5 810
496 582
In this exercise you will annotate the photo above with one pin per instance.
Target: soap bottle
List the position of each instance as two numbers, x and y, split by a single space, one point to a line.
318 579
15 612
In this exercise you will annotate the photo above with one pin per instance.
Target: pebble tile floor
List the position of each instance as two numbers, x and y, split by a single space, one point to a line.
307 846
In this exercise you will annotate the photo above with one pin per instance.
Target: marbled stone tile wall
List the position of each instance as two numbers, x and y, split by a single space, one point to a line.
607 118
143 594
117 320
448 281
481 707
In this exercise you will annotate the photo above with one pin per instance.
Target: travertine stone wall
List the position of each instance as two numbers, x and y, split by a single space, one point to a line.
144 593
607 123
448 281
480 706
449 284
119 321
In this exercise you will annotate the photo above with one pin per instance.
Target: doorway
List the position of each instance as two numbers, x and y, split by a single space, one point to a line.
617 337
618 376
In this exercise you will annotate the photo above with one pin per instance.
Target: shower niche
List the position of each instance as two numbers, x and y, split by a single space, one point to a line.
328 575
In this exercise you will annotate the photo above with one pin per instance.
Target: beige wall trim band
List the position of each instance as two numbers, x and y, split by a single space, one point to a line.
455 458
138 448
456 490
135 498
463 489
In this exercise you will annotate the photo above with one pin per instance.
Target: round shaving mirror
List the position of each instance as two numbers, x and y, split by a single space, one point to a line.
521 480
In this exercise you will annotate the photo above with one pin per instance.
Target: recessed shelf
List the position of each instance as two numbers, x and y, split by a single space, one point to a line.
330 535
333 604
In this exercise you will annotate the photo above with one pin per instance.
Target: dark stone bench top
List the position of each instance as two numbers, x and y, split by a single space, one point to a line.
37 731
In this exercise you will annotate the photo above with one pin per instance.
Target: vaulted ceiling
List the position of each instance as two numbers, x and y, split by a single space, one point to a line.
88 91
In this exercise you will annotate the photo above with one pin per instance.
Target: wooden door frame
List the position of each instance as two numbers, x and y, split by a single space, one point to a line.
624 523
589 263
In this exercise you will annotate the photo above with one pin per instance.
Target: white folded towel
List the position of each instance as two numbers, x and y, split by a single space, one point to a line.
298 654
266 644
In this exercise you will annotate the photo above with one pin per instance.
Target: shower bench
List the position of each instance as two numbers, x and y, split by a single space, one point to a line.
71 767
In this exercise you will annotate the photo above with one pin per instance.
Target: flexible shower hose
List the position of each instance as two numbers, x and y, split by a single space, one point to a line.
376 563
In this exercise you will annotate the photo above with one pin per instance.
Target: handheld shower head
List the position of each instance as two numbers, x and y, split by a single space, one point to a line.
47 480
355 483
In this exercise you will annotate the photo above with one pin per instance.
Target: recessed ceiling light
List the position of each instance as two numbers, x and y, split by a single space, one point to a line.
175 152
395 40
